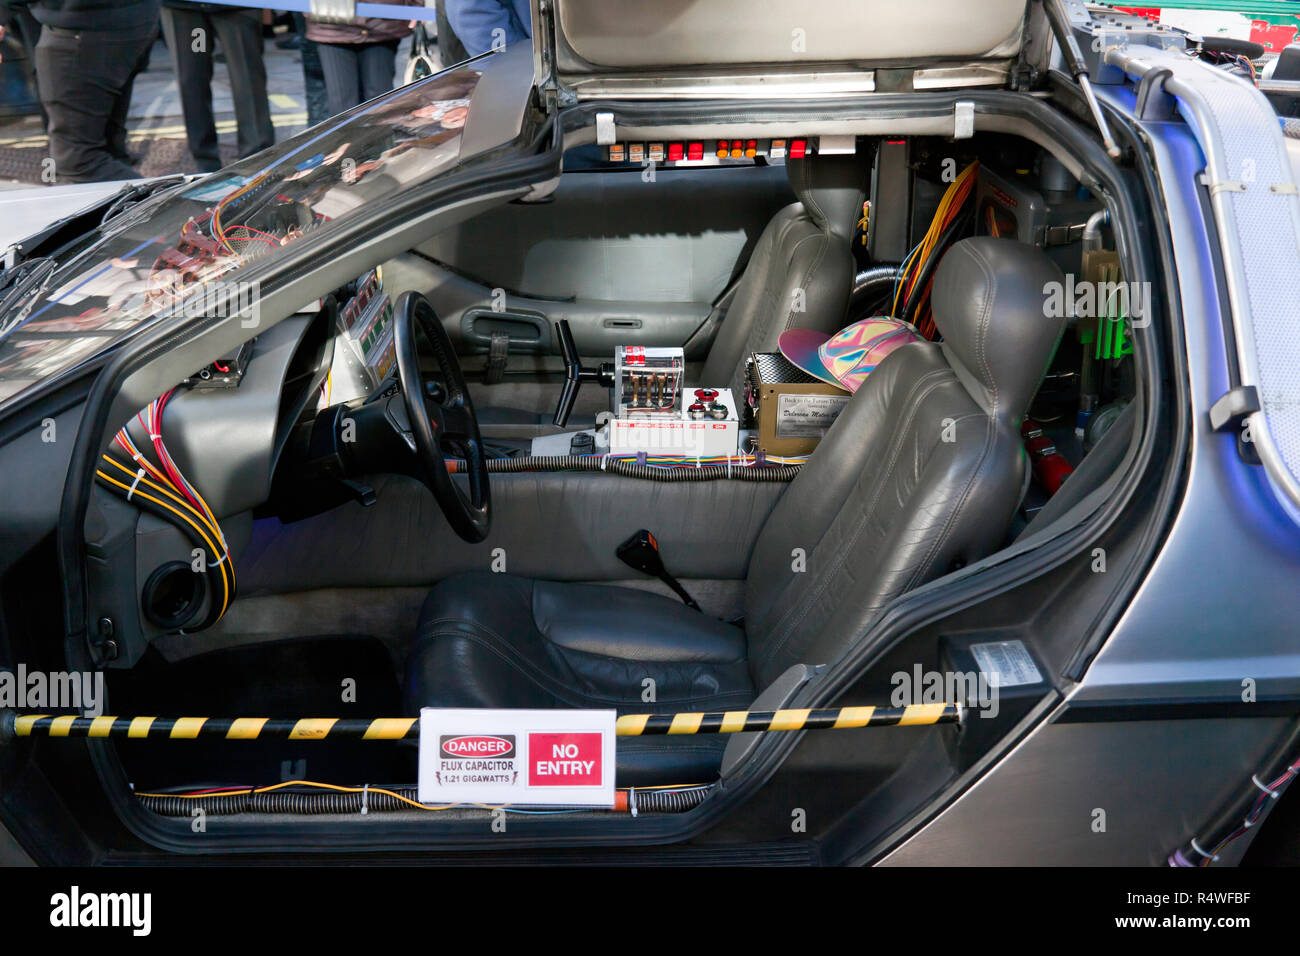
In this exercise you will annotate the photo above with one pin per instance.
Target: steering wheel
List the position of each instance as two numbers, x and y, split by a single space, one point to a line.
441 416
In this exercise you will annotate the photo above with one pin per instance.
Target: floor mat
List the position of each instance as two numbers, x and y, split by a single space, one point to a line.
311 677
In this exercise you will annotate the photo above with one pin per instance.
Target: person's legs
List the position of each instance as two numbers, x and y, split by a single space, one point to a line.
82 81
342 79
29 32
313 78
115 131
241 38
192 59
375 65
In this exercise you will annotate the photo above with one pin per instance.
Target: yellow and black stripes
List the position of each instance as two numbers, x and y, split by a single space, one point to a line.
830 718
407 728
228 728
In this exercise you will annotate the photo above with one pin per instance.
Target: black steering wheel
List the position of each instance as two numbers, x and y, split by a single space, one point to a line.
441 414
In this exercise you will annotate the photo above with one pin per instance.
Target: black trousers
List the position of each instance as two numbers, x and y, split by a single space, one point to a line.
85 79
240 33
356 72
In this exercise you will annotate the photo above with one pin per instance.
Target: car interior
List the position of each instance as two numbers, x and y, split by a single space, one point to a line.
419 483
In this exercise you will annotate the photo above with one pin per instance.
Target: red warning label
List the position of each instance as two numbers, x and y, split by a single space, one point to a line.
564 760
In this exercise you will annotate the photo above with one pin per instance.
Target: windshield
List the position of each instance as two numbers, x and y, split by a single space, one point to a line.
195 239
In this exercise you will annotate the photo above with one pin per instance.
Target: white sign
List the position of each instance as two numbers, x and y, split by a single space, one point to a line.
1006 663
521 757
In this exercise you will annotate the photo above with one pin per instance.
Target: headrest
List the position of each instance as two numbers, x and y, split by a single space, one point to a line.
831 189
992 301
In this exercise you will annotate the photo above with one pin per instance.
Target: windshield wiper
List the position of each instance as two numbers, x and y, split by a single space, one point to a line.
22 284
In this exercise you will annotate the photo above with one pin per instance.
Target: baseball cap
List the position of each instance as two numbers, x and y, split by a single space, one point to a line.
849 356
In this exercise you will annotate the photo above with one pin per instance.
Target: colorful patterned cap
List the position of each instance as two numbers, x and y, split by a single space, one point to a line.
849 356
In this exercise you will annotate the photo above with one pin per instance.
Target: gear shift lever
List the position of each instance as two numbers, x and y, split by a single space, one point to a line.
575 376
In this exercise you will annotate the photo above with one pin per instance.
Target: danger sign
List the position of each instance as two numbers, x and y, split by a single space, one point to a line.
521 757
564 760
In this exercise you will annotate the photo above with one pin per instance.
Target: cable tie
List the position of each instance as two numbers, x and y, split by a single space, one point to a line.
728 466
153 437
1208 856
1272 793
217 562
138 476
603 460
641 458
631 799
365 793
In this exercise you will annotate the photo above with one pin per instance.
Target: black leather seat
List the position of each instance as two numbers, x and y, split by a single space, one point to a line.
920 474
799 276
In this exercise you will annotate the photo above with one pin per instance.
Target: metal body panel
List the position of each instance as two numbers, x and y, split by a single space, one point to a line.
1256 207
1232 556
25 211
1099 794
599 48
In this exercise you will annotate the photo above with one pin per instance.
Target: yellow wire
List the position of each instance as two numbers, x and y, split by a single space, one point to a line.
225 598
155 426
334 786
210 523
932 235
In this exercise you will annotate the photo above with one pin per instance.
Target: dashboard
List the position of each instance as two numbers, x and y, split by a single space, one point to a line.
216 442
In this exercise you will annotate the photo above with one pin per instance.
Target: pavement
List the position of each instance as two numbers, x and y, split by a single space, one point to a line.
156 124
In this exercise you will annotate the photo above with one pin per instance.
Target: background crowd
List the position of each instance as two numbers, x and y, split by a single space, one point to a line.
83 57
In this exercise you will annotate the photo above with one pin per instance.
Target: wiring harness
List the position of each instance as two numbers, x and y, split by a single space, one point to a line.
1244 812
652 467
161 489
911 301
308 797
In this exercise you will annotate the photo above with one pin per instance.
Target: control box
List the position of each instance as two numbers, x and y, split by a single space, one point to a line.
648 381
367 320
226 372
705 425
790 409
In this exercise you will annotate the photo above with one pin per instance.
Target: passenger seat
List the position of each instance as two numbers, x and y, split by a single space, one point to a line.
798 277
801 272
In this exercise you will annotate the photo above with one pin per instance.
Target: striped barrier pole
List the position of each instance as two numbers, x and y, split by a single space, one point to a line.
404 728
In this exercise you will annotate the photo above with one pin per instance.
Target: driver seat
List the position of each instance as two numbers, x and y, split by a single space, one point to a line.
921 474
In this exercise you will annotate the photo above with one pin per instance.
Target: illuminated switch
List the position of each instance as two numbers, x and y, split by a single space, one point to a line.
694 151
636 152
722 149
737 150
655 152
798 148
674 152
777 149
751 149
616 153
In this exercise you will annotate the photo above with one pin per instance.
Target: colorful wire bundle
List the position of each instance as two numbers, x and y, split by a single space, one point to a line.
916 276
163 490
